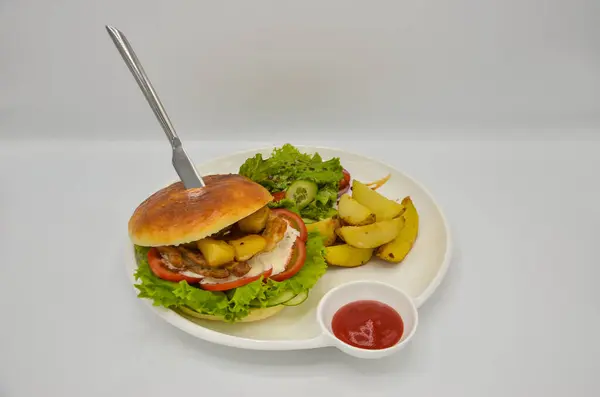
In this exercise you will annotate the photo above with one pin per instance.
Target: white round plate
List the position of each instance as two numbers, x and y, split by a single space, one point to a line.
296 327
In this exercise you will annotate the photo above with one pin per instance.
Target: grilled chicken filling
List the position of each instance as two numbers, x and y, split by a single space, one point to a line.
227 252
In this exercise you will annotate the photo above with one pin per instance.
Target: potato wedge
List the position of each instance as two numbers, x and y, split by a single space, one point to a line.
216 252
354 213
373 235
396 250
382 207
347 256
326 228
255 223
248 246
339 234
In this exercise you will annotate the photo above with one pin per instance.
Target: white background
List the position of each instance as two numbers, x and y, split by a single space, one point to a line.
493 105
227 68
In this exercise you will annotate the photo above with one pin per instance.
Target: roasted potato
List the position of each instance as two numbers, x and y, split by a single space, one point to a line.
347 256
216 252
248 246
382 207
326 228
373 235
354 213
396 250
255 222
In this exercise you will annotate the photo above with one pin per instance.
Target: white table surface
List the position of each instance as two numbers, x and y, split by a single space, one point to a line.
517 315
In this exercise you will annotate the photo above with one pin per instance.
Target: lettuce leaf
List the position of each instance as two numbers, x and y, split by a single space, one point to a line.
285 203
231 305
286 165
322 206
316 210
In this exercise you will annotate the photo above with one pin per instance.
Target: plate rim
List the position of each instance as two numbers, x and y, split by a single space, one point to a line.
209 335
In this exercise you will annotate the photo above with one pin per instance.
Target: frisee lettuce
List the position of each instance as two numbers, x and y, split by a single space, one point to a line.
287 165
235 304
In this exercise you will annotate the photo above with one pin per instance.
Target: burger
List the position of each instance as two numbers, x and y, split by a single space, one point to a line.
219 252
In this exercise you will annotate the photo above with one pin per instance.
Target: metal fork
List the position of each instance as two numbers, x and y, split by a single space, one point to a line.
181 161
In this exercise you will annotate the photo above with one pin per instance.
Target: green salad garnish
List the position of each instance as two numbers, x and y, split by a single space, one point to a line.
288 165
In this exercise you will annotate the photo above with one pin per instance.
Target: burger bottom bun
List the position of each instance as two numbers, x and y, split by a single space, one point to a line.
255 314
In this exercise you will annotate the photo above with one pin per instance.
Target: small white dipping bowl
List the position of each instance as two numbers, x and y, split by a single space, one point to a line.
367 290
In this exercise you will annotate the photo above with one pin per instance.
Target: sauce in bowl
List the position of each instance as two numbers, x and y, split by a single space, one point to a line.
368 324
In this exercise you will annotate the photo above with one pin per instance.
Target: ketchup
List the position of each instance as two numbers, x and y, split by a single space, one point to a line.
368 324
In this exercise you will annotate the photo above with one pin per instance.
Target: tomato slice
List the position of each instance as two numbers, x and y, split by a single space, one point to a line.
235 283
161 271
345 182
295 262
294 220
278 196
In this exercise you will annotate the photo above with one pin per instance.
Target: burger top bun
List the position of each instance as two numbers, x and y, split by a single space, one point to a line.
175 215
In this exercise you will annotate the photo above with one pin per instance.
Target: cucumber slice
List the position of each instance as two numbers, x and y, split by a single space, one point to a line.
277 300
302 193
281 299
298 299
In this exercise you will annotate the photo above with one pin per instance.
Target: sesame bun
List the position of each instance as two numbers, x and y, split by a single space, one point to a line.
254 315
175 215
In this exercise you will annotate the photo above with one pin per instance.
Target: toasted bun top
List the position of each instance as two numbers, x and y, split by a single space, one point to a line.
174 215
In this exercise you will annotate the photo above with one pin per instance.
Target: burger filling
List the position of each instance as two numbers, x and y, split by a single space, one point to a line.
253 245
